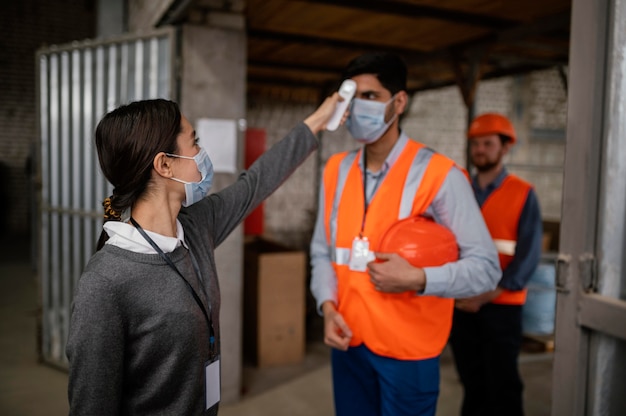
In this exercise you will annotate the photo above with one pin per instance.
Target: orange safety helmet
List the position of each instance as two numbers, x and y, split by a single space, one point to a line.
421 241
491 123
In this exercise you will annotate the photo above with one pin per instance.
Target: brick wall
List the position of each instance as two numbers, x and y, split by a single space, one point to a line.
28 25
536 104
289 211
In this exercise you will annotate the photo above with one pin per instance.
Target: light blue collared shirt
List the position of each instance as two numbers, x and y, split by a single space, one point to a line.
478 268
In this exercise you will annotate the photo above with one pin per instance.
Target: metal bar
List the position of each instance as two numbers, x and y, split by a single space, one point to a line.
606 310
55 192
44 146
101 108
165 66
124 89
65 176
76 179
153 68
118 93
603 314
88 172
139 70
580 196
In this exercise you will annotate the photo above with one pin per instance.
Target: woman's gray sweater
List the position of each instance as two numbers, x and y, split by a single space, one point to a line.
138 340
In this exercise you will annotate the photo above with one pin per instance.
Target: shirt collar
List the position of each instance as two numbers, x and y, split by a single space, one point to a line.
393 155
126 236
495 183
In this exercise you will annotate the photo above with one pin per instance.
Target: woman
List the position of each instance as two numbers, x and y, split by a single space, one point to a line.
144 332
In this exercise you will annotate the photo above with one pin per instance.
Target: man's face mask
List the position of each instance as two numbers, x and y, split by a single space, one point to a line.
196 191
366 122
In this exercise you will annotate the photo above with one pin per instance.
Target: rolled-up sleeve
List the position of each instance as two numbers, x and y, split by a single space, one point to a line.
478 268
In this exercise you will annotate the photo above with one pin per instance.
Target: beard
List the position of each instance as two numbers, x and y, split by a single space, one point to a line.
486 166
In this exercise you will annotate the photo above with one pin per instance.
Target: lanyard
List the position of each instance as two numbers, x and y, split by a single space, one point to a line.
365 202
198 276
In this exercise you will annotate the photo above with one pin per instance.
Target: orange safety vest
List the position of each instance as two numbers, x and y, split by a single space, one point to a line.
502 210
405 325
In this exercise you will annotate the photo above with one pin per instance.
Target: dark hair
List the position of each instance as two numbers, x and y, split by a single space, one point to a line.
389 68
504 139
127 140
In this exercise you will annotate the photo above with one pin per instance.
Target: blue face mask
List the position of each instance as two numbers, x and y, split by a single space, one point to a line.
196 191
366 122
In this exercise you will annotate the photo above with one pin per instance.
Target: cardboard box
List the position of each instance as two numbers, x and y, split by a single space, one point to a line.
550 241
274 304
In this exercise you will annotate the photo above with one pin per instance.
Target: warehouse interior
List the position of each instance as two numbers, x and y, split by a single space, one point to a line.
265 65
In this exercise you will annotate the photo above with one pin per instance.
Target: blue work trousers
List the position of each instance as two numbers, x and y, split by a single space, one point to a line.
366 384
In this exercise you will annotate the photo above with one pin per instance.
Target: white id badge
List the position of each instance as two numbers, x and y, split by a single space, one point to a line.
212 382
359 255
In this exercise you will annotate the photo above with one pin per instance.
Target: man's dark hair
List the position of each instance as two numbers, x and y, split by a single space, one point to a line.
389 68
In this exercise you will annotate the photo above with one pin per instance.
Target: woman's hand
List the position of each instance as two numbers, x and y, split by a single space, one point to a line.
317 121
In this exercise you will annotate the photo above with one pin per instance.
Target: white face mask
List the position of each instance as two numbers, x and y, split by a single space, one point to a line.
366 122
196 191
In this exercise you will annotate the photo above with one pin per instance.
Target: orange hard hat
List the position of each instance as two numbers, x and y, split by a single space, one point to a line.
491 123
421 241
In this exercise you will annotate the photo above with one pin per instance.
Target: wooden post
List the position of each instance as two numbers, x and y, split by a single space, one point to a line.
467 77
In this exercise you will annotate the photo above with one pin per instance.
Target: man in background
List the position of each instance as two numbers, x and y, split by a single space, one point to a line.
487 329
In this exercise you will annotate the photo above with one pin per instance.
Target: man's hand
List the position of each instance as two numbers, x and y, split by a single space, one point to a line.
395 275
474 304
337 334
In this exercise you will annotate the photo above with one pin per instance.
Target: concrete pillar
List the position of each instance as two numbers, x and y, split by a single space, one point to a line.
213 85
111 18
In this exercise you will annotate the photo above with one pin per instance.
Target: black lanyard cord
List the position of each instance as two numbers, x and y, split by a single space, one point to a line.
173 267
365 204
365 201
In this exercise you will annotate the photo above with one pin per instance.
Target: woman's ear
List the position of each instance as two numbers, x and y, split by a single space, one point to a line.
163 165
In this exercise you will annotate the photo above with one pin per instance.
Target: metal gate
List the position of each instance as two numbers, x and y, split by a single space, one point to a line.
590 356
77 84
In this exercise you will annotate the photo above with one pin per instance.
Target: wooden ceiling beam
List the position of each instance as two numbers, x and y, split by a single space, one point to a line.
509 60
511 36
282 82
288 66
496 63
414 10
316 41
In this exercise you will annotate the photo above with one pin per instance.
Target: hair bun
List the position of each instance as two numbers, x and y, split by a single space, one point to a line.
109 212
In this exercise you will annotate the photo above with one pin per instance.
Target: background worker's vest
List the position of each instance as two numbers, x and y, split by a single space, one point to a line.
502 211
405 325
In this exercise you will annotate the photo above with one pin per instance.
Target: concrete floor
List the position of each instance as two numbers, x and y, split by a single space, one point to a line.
29 388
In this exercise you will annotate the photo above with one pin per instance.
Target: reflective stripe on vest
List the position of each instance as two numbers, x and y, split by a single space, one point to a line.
401 326
506 247
508 198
